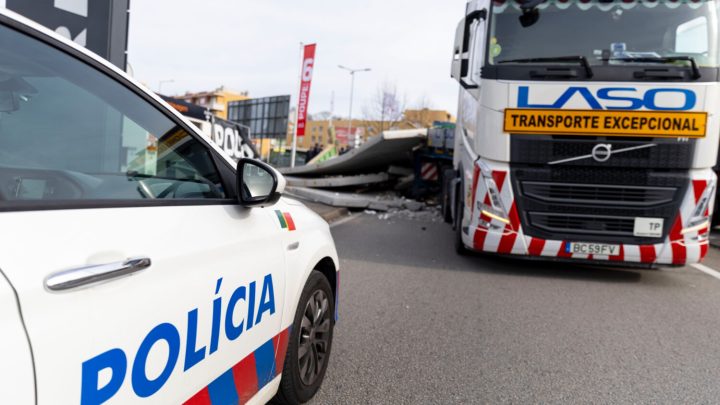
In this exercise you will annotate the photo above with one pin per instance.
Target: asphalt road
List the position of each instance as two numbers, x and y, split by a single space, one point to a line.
419 324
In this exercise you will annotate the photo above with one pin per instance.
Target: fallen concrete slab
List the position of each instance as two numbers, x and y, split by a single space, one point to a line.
392 147
337 181
328 213
354 200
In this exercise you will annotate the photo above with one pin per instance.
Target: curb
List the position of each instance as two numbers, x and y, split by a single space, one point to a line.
334 215
327 212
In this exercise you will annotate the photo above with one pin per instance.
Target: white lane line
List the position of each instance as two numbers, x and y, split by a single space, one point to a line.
344 220
707 270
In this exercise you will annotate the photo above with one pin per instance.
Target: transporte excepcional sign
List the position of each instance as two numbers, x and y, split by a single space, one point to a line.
653 124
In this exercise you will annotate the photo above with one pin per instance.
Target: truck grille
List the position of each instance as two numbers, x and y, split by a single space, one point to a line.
582 224
598 193
591 201
665 154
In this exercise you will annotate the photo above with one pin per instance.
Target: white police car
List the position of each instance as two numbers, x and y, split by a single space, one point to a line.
136 265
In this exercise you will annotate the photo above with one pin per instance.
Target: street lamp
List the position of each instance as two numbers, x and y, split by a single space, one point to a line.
352 86
160 83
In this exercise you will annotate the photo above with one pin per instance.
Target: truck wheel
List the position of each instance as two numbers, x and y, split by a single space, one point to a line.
309 343
459 212
447 178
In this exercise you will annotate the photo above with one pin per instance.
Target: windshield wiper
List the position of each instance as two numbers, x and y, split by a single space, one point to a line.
577 59
663 59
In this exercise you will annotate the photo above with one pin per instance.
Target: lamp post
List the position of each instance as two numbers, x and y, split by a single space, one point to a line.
160 83
352 87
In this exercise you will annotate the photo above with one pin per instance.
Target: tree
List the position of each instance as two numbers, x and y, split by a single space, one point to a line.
385 110
419 115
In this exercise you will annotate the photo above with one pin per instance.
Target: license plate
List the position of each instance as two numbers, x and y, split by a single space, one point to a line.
592 248
649 227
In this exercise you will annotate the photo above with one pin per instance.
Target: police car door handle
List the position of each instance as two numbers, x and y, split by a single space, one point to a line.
293 246
81 276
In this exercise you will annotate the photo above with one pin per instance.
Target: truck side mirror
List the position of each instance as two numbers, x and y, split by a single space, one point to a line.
463 49
457 58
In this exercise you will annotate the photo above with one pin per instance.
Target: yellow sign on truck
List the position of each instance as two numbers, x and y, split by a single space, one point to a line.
605 123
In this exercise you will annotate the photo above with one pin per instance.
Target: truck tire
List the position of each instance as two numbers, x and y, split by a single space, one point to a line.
448 176
459 212
309 346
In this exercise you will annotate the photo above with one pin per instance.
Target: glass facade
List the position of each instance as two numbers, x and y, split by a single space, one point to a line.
267 117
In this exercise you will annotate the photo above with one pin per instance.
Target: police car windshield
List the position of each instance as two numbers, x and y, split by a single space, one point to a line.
605 32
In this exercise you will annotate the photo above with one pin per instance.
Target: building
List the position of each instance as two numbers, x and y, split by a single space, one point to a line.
316 132
326 132
424 118
216 100
335 132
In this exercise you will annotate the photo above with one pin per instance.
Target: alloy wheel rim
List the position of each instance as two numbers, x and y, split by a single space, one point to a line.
313 339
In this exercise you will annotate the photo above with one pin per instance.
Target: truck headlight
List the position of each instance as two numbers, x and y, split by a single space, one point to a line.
496 209
698 220
494 214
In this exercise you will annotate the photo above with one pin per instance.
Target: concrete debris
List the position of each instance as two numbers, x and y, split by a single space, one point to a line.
426 215
377 202
400 171
382 163
404 183
392 147
338 181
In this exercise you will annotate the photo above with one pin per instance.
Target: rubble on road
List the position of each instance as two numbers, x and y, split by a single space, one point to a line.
338 181
373 201
379 175
427 215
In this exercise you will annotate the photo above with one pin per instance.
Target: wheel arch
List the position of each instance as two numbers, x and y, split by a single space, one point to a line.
326 266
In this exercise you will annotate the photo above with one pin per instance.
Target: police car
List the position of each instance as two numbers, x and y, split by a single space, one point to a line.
139 263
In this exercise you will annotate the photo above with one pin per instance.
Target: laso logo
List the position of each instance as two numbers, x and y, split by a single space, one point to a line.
620 98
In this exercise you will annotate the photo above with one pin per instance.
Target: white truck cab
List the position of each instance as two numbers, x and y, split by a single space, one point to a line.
140 263
587 129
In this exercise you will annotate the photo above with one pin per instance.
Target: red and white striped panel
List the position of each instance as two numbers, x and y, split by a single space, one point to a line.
677 249
507 238
429 172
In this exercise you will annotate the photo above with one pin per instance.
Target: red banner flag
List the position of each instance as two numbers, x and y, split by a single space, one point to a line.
305 80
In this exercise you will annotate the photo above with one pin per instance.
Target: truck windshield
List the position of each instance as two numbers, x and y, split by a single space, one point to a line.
605 32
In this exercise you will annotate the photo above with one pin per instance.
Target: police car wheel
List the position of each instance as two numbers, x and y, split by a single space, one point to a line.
309 343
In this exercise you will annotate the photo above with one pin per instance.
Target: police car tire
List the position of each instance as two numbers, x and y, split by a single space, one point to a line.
292 390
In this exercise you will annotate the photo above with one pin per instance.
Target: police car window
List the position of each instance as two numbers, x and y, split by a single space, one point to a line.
69 132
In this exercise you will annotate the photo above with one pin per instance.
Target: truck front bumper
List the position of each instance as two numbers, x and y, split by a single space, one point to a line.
494 225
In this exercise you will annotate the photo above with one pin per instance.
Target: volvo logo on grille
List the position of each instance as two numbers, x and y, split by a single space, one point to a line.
602 152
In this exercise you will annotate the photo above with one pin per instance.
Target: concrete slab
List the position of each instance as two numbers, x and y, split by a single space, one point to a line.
337 181
392 147
354 200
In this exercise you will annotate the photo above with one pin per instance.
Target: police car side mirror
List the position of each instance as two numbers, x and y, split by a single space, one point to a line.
258 183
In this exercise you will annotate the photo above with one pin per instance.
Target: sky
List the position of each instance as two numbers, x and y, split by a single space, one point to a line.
254 46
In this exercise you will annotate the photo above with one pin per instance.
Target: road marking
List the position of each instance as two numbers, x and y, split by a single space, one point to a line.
344 220
707 270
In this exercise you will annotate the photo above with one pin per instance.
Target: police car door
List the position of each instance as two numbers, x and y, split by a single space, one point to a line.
138 275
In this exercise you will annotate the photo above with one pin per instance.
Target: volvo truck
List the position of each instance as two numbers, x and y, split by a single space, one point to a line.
587 130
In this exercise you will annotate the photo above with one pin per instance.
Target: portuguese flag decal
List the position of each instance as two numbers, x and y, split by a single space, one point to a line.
286 220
